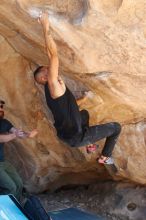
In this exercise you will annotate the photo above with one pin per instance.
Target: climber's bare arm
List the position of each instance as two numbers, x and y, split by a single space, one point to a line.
56 88
51 48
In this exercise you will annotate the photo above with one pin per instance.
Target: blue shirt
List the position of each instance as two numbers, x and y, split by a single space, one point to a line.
5 127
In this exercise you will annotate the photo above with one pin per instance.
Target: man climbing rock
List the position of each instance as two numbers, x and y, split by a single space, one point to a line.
72 125
10 181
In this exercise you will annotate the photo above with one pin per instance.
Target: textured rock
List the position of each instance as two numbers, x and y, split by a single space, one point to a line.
101 47
44 163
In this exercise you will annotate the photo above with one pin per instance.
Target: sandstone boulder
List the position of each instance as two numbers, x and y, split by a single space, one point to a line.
101 46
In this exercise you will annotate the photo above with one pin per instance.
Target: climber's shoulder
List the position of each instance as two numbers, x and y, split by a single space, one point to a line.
57 88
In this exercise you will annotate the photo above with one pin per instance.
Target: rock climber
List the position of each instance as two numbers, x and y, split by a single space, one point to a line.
10 181
71 124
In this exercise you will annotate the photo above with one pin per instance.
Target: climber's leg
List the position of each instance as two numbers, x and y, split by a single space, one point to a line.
91 148
110 131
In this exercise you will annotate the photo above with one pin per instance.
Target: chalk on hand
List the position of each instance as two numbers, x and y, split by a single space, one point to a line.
35 12
40 15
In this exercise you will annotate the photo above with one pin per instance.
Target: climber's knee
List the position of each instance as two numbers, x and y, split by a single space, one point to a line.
117 127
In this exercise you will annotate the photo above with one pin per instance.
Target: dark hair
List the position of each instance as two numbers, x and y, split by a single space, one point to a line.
37 71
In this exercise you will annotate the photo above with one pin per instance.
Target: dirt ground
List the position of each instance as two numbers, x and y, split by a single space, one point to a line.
114 201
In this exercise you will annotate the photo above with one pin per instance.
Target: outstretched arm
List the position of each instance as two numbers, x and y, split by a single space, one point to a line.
7 137
4 138
23 134
51 49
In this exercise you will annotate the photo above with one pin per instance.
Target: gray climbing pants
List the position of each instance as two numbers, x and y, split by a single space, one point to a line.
91 134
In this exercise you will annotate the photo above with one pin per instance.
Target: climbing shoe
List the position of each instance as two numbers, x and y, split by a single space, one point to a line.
107 160
91 148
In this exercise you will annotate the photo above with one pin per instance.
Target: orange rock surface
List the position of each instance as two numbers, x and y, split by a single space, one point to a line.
101 46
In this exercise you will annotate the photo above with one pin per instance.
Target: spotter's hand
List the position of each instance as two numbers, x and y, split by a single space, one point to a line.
33 133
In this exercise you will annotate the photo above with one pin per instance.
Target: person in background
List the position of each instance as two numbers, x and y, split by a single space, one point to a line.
10 181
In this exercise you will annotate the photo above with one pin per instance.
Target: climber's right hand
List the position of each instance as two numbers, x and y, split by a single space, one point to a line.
44 19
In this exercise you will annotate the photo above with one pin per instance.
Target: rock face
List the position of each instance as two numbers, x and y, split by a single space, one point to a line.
101 46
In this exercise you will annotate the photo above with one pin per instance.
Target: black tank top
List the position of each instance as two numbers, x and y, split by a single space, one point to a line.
66 114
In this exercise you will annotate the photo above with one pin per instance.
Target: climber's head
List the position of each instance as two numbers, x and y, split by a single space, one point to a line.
41 75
